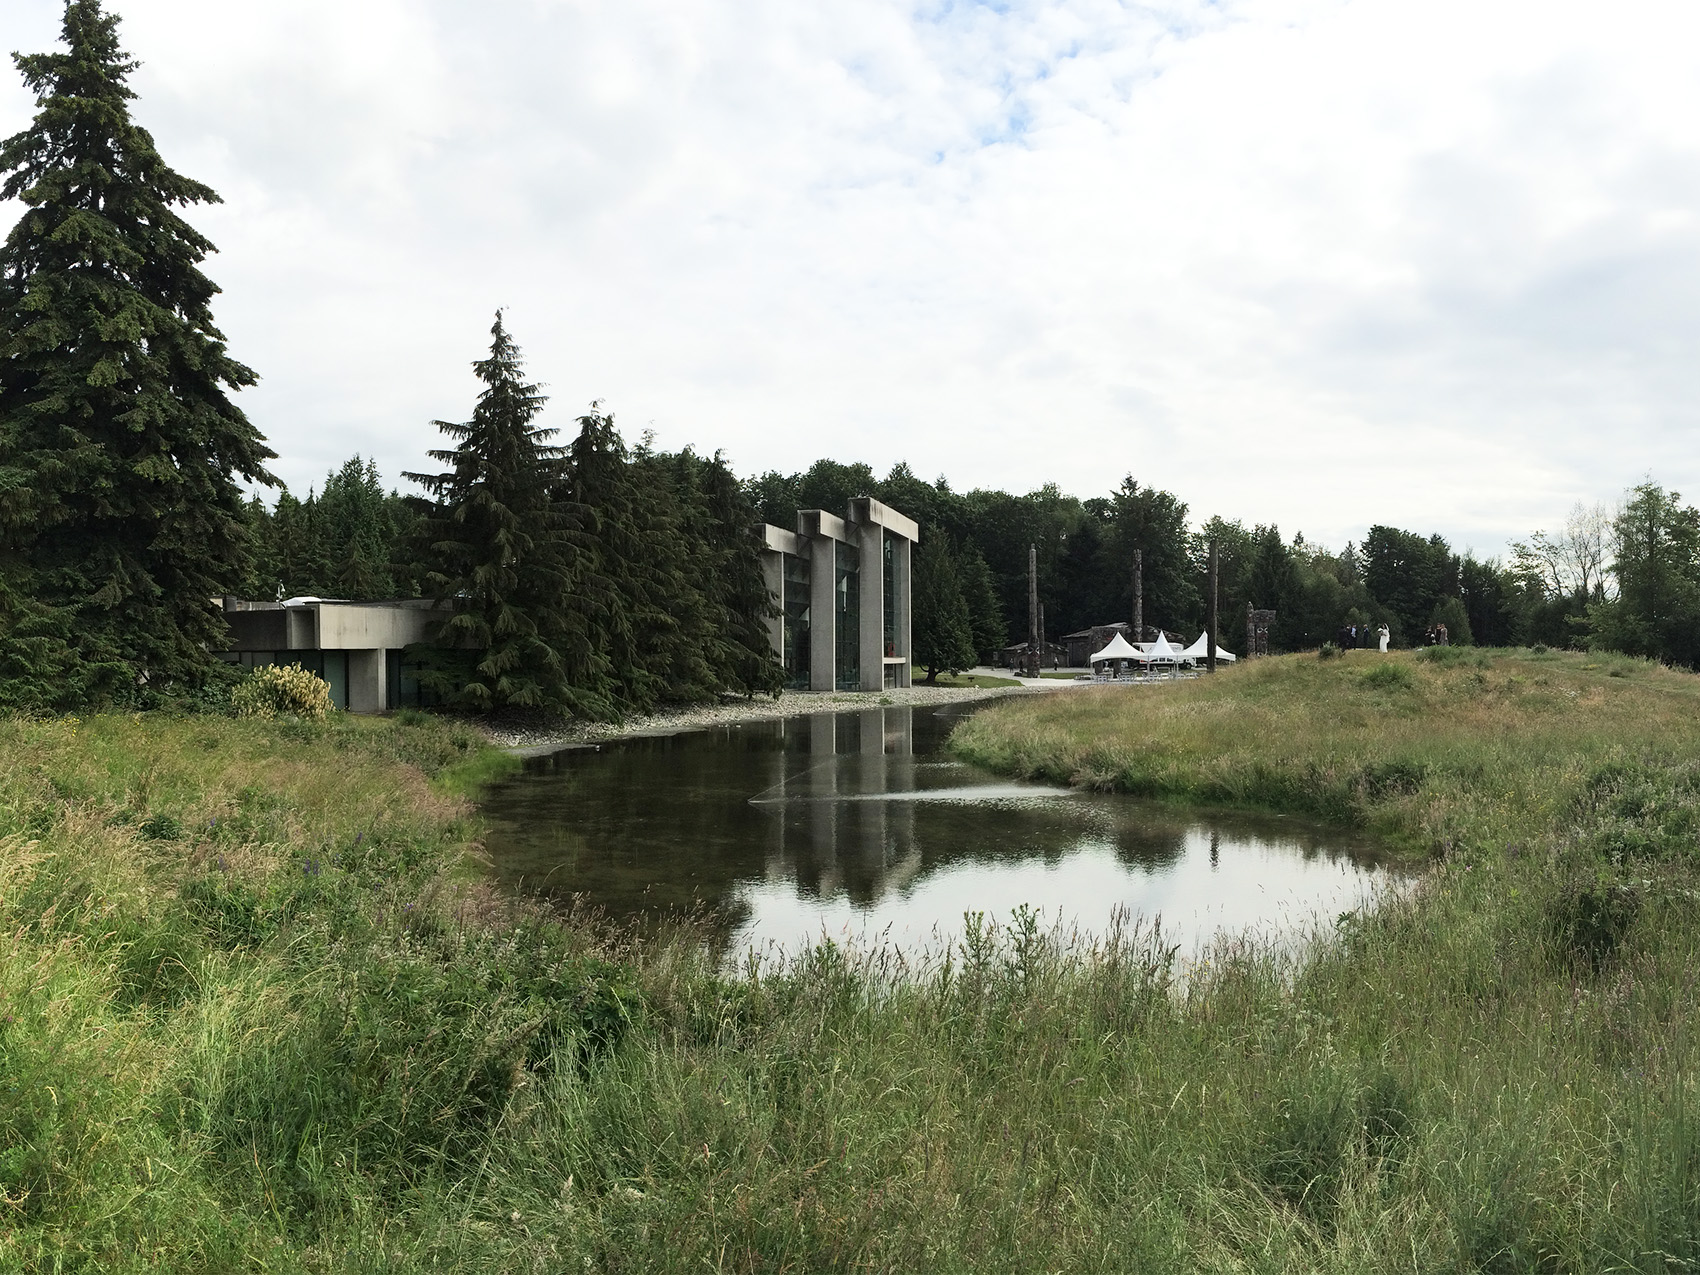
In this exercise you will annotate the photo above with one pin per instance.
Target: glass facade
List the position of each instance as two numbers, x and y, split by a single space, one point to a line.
847 601
798 581
889 612
402 687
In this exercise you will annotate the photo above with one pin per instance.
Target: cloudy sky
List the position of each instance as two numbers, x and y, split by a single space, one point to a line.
1317 262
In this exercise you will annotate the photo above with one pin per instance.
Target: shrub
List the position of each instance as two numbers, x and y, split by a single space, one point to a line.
162 827
1390 677
276 690
1453 655
1327 651
1588 918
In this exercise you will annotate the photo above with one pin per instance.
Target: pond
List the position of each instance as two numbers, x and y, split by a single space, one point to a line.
860 827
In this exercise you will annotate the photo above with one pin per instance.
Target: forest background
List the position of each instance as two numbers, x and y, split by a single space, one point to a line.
1626 579
592 578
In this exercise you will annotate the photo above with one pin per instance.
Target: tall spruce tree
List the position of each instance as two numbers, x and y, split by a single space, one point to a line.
634 587
724 572
943 626
120 516
500 549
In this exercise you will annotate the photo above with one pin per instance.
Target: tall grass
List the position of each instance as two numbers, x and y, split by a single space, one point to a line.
254 1020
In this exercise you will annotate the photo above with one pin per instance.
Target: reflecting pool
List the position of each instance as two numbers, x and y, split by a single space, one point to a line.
858 826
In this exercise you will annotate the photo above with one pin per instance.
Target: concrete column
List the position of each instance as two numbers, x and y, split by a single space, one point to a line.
366 691
823 613
869 539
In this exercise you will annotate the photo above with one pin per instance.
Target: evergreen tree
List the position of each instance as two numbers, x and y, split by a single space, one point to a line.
1656 539
942 632
724 566
500 550
636 595
120 516
986 626
1409 576
1451 613
1486 593
1154 521
357 532
1273 586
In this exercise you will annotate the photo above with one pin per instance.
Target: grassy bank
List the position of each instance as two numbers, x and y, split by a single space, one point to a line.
256 1019
1431 752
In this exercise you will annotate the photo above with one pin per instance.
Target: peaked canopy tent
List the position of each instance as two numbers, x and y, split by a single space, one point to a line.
1160 652
1198 650
1119 648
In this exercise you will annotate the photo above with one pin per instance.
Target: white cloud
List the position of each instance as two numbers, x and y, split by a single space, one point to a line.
1317 262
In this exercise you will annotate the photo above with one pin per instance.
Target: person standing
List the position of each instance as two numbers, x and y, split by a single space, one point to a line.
1382 635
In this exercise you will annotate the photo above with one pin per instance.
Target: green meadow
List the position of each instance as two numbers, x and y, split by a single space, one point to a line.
258 1012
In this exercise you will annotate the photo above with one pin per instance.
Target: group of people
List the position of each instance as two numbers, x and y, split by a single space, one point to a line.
1435 635
1353 636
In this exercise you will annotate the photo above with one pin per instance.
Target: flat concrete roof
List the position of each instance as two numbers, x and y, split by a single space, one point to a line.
780 540
867 509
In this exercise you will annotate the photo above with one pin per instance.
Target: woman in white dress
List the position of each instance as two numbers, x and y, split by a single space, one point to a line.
1382 634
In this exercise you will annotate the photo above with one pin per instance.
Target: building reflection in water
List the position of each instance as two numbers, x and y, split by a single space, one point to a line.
861 814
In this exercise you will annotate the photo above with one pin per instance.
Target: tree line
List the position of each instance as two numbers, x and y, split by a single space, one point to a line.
593 577
1626 581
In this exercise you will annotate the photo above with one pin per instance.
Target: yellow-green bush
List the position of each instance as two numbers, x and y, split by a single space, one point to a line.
276 690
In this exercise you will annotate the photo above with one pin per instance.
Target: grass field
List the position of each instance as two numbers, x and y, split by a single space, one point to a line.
256 1014
979 681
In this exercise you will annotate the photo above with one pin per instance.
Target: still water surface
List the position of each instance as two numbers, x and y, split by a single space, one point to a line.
856 825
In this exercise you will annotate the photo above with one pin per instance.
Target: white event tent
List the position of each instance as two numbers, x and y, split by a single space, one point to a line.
1199 650
1160 652
1118 649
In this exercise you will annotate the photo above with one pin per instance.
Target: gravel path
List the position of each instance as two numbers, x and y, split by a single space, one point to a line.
533 742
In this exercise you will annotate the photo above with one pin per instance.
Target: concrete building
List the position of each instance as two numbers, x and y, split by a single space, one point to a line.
355 646
841 587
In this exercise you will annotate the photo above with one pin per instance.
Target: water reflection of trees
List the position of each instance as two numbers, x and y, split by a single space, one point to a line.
832 805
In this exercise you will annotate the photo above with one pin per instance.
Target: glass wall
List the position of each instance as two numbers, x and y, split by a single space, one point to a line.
890 613
401 680
796 608
847 597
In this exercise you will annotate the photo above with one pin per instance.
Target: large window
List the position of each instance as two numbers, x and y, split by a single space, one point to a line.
796 606
893 632
847 600
402 686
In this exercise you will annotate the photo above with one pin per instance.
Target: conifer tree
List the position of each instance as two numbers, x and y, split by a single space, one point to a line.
722 589
500 549
943 630
633 591
120 516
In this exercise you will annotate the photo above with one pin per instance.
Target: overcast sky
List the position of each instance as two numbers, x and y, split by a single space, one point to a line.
1317 263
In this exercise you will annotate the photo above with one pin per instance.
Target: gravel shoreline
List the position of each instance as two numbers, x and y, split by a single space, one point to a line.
533 742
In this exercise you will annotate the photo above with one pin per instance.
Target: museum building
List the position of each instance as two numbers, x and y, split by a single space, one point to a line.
840 587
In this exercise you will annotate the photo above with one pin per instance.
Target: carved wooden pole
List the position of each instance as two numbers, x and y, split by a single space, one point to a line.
1139 595
1032 611
1210 646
